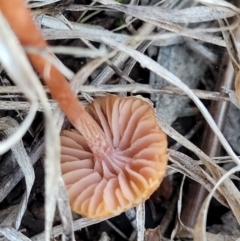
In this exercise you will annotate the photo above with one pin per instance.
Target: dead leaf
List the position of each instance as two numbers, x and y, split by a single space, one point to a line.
153 234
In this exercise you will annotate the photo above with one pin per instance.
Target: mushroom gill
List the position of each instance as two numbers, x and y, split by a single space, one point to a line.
104 181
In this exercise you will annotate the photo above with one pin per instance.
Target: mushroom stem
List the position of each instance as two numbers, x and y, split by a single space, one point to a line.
29 35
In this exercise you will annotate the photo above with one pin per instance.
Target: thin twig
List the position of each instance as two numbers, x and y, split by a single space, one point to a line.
134 88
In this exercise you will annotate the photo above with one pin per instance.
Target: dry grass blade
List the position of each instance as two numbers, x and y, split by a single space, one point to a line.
74 51
199 231
25 77
8 218
179 210
22 105
9 126
178 31
140 217
188 15
93 35
5 145
12 234
11 180
191 169
12 89
8 60
159 70
41 3
231 45
61 30
77 225
65 213
133 88
220 3
57 23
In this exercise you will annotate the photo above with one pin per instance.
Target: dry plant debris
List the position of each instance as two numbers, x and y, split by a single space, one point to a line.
115 34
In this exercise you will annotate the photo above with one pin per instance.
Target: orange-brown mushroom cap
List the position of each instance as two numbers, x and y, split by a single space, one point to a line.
106 182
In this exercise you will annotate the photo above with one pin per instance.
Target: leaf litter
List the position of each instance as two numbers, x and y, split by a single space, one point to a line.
171 22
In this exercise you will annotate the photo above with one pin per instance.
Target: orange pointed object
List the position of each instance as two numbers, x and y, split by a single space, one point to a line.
106 178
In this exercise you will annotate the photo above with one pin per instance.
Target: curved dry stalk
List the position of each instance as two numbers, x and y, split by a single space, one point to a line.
5 145
199 231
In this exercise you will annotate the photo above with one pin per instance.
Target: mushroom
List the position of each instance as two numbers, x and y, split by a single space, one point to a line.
111 169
